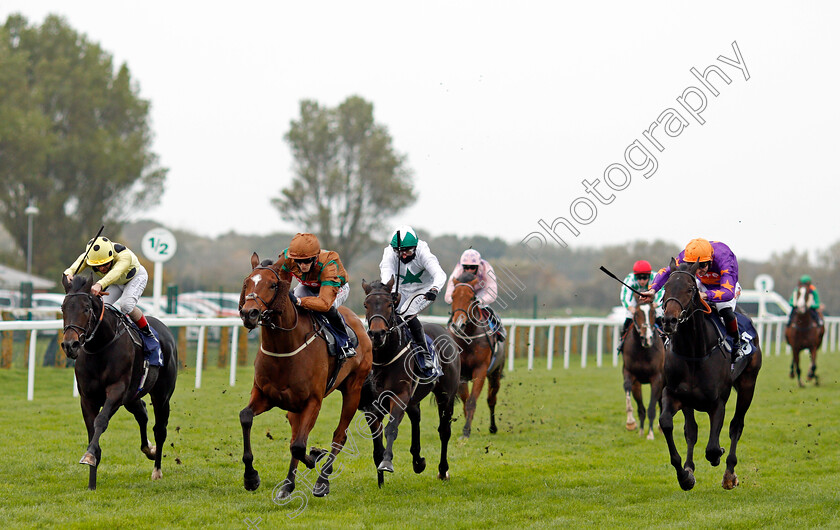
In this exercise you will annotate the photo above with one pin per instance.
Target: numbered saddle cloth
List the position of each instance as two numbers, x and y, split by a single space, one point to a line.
336 339
745 328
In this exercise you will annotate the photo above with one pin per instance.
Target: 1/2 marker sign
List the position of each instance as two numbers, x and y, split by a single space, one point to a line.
159 245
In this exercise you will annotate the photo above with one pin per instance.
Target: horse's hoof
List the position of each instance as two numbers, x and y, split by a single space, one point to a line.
444 476
493 429
650 435
791 374
730 480
157 474
317 453
321 489
88 460
630 426
419 465
386 465
688 483
150 451
252 482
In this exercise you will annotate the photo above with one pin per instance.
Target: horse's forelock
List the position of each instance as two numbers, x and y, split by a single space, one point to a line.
377 285
81 284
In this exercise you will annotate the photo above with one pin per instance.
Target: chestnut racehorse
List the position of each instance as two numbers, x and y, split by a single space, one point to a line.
473 334
643 353
397 386
291 372
698 376
804 334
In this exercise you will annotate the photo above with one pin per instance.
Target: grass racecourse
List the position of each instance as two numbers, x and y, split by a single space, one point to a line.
562 458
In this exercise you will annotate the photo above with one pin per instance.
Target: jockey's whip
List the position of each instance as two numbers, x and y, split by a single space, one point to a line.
101 228
619 280
399 248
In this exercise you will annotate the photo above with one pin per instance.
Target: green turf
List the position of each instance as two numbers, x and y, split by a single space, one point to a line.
561 458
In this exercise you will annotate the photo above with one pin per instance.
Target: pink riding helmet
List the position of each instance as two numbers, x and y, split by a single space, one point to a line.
470 257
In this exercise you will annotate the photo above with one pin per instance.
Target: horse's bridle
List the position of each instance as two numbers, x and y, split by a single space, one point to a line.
695 291
265 315
389 323
466 312
82 332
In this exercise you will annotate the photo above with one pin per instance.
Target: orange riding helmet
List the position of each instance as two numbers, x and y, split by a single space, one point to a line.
698 250
304 246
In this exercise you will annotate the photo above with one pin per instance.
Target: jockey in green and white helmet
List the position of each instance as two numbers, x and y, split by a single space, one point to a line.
417 270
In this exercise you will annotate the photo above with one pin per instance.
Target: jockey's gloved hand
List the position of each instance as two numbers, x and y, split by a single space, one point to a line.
431 294
295 300
394 296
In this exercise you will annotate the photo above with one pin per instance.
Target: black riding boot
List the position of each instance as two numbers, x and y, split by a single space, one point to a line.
816 316
416 328
627 322
346 351
731 323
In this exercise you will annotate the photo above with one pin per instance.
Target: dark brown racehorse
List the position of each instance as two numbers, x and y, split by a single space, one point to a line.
804 333
698 377
473 334
397 386
109 367
291 372
643 353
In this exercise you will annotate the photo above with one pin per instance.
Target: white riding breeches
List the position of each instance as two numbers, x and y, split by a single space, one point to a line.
128 293
340 297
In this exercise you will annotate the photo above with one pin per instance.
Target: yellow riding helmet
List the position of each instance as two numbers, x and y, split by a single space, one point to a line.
698 250
304 246
101 252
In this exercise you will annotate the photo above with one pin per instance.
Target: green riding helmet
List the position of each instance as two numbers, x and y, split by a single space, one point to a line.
407 237
805 279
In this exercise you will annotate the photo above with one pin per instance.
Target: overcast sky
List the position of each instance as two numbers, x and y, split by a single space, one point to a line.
503 110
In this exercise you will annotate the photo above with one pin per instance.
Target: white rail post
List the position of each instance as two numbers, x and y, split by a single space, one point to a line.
599 344
30 380
234 352
567 345
512 343
584 345
779 328
531 335
199 357
550 348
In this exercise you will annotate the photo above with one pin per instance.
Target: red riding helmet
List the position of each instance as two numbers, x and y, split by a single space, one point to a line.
641 267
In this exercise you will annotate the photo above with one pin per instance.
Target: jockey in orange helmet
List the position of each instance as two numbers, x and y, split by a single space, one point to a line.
323 281
717 276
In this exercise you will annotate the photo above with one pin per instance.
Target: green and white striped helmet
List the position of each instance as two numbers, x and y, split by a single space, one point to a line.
407 235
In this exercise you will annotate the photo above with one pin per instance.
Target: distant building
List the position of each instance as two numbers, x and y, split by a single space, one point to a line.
11 279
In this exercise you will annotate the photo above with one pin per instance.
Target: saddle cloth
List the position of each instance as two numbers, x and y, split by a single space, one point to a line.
336 339
407 337
745 328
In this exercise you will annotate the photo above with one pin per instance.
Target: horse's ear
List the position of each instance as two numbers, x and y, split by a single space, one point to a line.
694 266
366 286
66 283
673 265
255 260
390 283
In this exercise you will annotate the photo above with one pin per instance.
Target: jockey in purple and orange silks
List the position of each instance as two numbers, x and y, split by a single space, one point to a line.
717 276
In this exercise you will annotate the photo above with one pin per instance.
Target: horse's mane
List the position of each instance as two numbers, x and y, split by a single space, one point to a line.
466 277
81 283
377 285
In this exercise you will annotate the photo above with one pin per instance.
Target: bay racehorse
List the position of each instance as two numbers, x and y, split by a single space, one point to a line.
474 336
292 370
698 376
804 333
396 384
643 353
109 368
